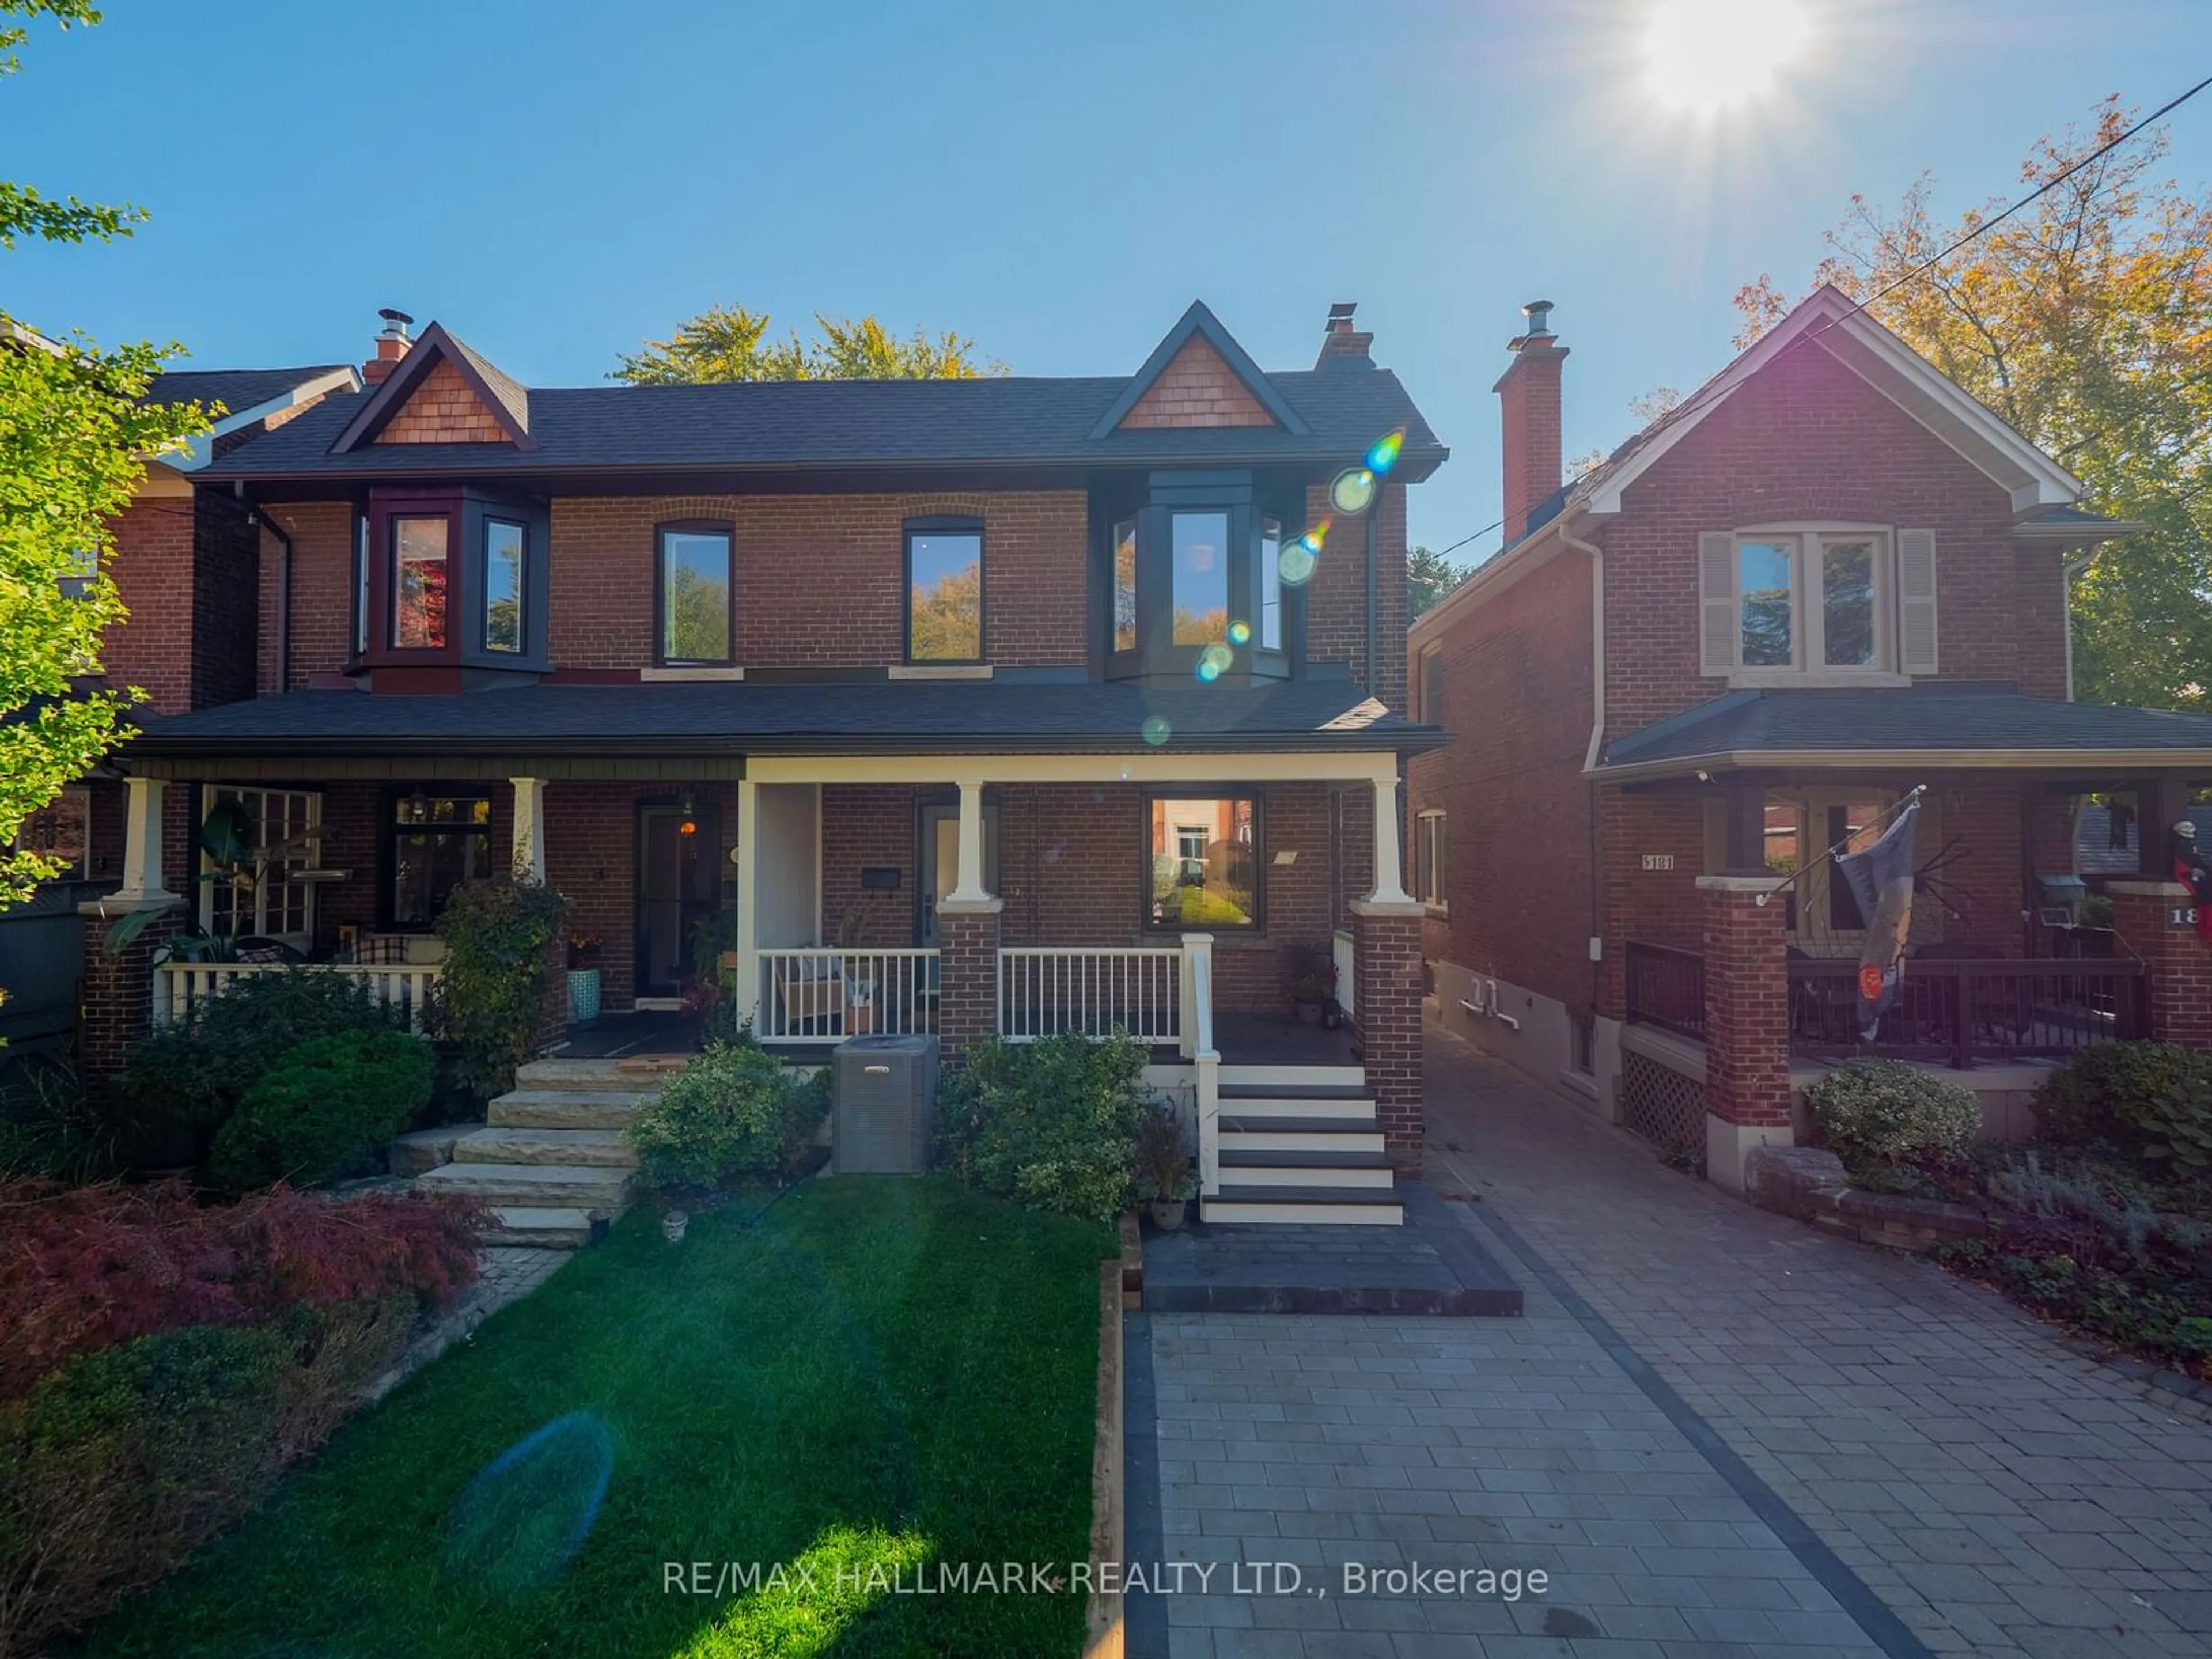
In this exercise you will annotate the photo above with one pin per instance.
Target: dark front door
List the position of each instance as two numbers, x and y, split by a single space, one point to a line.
676 888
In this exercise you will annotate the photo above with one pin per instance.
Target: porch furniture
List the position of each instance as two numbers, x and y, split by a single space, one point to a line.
814 993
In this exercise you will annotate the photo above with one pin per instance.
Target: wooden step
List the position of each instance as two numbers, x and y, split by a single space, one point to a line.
1325 1169
603 1148
1296 1076
1310 1207
516 1226
1300 1134
567 1108
534 1185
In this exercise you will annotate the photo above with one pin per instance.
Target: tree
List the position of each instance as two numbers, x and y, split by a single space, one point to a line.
1429 577
73 436
729 342
2082 321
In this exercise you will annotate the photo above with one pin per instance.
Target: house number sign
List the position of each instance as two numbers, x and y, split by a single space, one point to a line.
2181 915
1658 861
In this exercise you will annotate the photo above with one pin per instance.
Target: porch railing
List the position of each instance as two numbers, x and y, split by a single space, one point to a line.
1964 1010
1044 990
823 993
1666 988
181 987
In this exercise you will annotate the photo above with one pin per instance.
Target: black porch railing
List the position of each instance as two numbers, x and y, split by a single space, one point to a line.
1964 1010
1666 988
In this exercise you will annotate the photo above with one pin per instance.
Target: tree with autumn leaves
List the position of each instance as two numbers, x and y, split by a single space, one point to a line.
2086 322
73 436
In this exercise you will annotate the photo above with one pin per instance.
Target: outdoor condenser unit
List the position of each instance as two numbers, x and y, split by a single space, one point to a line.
883 1094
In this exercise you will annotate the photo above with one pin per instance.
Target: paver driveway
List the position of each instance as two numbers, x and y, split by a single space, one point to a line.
1718 1432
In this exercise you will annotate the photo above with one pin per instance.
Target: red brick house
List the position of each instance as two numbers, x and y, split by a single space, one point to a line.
1826 580
996 705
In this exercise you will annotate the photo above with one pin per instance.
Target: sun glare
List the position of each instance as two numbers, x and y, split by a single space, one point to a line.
1703 56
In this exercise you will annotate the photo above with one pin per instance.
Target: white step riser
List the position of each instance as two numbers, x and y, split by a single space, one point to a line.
1299 1140
1292 1077
1247 1175
1292 1106
1225 1209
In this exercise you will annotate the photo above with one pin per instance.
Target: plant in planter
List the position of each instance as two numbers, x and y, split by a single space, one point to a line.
1165 1177
583 978
1309 978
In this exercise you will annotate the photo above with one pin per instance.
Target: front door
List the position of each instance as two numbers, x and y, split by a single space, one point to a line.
939 863
677 889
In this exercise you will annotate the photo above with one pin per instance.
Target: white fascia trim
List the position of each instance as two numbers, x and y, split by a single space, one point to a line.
197 452
1947 760
1161 769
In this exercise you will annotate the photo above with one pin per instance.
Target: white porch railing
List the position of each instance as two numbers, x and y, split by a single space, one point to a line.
1044 990
823 993
181 987
1347 970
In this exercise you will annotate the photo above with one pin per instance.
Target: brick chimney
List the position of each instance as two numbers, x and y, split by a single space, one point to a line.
391 345
1341 347
1528 396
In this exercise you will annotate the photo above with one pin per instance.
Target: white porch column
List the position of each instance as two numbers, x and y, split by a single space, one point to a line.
748 987
1390 881
969 889
142 843
529 828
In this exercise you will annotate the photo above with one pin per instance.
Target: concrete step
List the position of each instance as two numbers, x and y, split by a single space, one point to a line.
535 1185
528 1227
621 1076
1295 1077
1304 1206
1300 1134
1329 1169
567 1108
1260 1101
602 1148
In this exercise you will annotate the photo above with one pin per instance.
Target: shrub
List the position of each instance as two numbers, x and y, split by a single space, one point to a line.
1887 1110
323 1110
734 1110
181 1082
1052 1125
120 1464
494 989
2151 1099
84 1268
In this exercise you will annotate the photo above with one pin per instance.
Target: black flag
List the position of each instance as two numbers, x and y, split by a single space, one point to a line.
1880 879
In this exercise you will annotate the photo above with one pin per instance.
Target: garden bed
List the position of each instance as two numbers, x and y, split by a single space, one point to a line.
868 1373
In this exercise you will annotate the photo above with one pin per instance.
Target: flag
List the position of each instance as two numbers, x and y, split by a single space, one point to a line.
2190 869
1880 879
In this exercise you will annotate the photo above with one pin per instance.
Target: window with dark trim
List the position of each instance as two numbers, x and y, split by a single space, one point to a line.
360 583
420 571
695 588
431 844
505 553
1271 584
1202 862
1125 585
944 591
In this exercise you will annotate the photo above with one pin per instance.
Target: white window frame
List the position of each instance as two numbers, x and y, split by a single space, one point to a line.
1807 643
1431 838
267 896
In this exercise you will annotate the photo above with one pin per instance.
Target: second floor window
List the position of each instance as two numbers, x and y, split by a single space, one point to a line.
505 543
1817 601
697 581
418 583
945 593
1199 547
1429 857
1125 585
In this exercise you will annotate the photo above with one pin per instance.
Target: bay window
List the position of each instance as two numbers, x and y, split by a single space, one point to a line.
418 583
1198 544
505 546
450 579
1192 583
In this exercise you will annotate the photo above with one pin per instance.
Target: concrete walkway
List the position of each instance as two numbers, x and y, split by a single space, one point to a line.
1717 1431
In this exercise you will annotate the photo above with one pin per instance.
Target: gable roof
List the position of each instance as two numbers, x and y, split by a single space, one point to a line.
506 401
247 395
1201 323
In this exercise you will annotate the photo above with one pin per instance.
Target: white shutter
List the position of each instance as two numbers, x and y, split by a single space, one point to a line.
1915 601
1716 612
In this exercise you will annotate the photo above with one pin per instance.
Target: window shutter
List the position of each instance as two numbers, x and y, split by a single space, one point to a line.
1915 601
1717 602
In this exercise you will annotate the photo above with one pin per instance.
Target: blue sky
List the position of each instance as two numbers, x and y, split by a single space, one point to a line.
556 182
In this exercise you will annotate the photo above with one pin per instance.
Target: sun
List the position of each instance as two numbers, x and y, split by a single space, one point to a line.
1705 56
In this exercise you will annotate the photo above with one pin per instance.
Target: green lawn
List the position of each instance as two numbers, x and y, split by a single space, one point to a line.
876 1372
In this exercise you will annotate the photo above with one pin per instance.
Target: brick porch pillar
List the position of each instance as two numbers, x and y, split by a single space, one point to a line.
1386 943
2176 959
1746 1024
118 985
967 973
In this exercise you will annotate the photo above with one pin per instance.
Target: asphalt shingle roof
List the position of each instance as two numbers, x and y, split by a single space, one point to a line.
236 389
1931 716
852 717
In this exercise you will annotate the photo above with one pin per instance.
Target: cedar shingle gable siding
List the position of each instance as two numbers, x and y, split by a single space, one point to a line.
444 410
1197 388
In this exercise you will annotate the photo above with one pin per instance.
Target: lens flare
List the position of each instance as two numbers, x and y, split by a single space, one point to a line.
527 1512
1156 732
1240 633
1294 564
1384 455
1352 490
1213 662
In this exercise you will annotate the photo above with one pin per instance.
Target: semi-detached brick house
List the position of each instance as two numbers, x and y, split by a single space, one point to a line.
1006 704
1828 579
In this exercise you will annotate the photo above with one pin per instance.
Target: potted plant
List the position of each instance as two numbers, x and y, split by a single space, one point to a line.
858 972
583 978
1165 1178
1309 978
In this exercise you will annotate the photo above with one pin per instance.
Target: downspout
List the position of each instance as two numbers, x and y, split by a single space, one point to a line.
1597 743
2068 571
1374 627
258 517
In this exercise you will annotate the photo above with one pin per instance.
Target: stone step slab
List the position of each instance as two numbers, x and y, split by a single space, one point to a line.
602 1148
535 1185
601 1076
567 1108
532 1227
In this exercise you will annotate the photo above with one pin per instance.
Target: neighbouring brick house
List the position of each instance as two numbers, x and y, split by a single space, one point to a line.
1828 579
996 705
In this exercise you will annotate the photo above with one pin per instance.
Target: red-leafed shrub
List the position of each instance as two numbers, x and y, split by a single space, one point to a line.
84 1268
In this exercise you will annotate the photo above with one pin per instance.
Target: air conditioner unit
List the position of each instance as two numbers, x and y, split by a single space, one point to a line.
883 1099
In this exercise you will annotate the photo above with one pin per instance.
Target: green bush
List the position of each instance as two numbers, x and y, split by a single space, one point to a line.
2152 1100
117 1465
180 1083
1887 1111
501 969
1052 1125
323 1110
735 1110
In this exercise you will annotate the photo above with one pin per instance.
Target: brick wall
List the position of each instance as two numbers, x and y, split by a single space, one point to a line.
968 979
1388 1018
2178 960
443 409
1656 907
1746 1012
226 600
1198 388
152 567
322 593
866 826
119 992
1336 596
